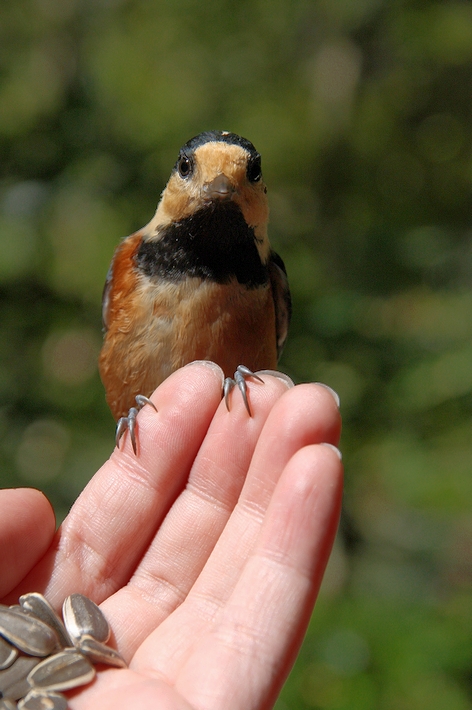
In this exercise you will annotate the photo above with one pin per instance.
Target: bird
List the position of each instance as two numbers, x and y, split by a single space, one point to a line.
199 282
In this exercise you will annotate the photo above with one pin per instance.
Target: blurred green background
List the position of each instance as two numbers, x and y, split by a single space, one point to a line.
362 112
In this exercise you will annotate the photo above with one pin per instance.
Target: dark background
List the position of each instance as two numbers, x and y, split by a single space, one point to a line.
362 112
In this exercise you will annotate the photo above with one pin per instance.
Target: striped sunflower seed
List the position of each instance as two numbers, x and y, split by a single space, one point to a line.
100 652
8 653
30 635
62 671
13 680
82 616
36 604
43 700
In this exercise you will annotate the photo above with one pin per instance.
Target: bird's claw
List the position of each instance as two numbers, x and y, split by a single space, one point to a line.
239 379
129 422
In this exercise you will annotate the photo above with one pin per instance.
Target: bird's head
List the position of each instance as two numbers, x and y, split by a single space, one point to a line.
214 168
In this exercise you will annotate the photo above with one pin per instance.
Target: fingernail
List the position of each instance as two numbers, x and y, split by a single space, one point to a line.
333 448
208 363
333 393
280 375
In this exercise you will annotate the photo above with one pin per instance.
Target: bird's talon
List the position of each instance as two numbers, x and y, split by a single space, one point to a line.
227 387
141 400
129 422
244 371
121 427
132 414
239 379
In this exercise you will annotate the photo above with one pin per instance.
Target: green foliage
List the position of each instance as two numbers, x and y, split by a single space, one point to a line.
361 111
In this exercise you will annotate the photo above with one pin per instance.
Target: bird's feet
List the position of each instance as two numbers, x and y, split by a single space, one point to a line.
239 379
129 422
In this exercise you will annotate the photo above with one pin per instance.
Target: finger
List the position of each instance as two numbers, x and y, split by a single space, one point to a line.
27 525
243 660
193 525
304 415
246 655
115 518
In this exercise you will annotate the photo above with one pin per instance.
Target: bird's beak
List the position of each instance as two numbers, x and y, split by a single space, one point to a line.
220 188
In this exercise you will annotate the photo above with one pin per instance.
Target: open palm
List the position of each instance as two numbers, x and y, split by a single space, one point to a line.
206 551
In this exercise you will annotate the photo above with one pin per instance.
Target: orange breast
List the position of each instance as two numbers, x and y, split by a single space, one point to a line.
157 327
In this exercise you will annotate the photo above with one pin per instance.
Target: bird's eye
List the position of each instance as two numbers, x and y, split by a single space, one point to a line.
254 172
184 166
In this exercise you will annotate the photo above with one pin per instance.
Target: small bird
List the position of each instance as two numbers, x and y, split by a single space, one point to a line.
198 282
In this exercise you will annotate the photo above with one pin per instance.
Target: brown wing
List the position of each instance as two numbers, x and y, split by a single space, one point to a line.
120 281
282 299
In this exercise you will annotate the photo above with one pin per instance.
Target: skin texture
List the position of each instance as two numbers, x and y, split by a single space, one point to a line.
206 552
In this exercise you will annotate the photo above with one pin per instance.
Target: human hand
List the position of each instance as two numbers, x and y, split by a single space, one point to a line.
206 551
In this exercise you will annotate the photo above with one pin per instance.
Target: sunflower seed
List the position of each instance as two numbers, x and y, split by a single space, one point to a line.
34 676
7 704
82 616
99 652
13 683
63 671
28 634
36 604
8 653
43 700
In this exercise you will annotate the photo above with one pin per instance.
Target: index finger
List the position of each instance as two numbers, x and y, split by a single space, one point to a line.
114 519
